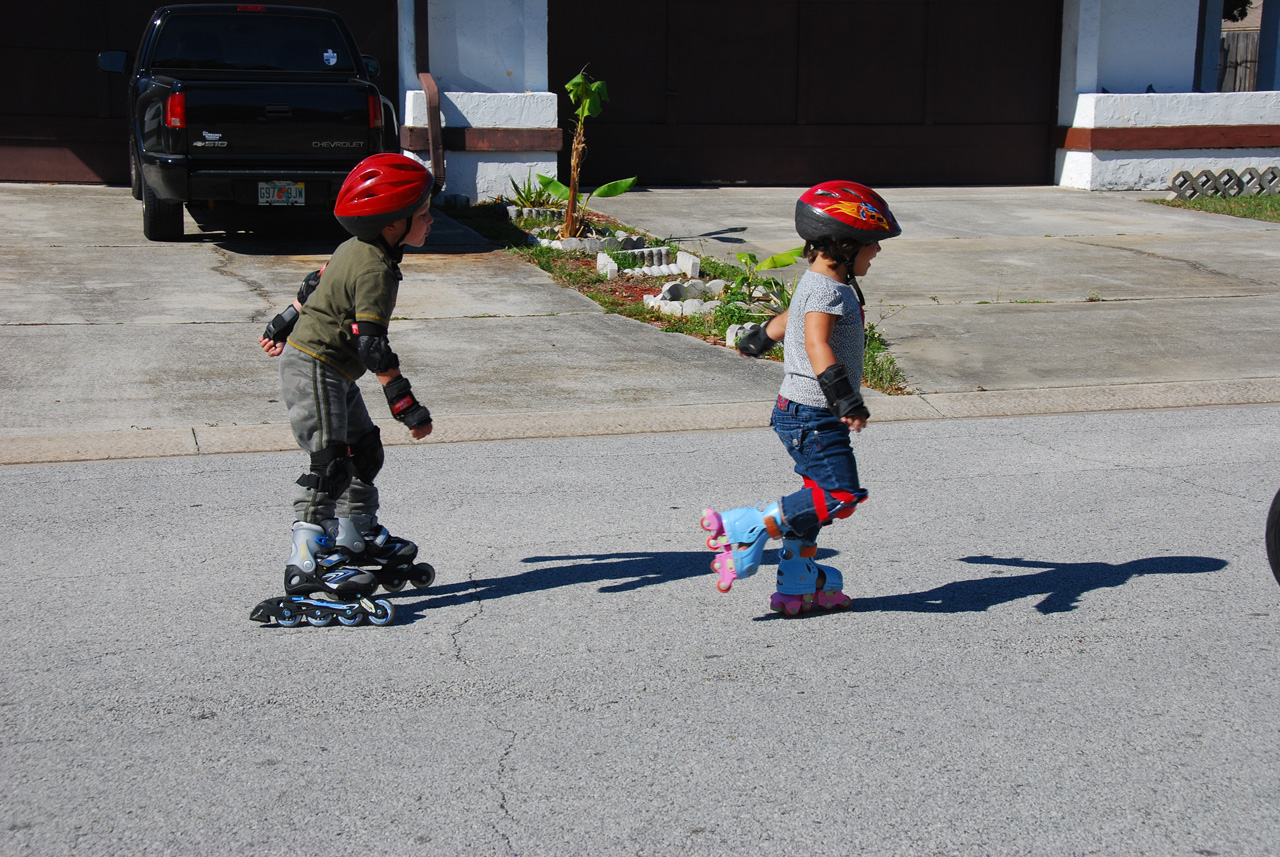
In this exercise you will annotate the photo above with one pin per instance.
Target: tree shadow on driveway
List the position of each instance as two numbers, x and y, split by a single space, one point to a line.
1061 583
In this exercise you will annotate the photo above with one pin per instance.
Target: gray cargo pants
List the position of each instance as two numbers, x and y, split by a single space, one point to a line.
324 408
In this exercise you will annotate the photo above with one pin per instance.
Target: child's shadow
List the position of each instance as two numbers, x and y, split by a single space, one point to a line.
618 572
1061 584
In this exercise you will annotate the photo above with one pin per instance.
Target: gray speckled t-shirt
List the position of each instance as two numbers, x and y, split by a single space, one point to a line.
818 293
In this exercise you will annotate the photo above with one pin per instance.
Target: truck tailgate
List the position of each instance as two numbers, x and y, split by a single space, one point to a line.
308 124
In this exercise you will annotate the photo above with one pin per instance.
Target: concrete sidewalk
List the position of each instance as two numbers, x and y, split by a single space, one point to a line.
117 347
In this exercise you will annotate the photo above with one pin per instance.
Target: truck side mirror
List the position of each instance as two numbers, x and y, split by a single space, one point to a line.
114 61
371 66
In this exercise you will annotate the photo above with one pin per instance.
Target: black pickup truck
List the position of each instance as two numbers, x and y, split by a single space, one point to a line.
235 105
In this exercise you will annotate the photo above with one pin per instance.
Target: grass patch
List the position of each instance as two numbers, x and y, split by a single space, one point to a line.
1252 207
624 295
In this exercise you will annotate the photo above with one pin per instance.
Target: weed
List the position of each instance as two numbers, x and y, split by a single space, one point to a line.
880 371
1093 296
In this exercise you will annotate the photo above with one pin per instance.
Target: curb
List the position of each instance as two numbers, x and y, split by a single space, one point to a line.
20 449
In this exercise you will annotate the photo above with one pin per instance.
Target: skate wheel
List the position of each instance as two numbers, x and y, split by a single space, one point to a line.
393 585
711 521
385 612
423 575
289 619
319 619
724 587
351 618
793 608
715 542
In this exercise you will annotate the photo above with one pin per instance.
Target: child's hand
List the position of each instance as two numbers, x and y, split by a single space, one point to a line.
420 433
273 349
853 423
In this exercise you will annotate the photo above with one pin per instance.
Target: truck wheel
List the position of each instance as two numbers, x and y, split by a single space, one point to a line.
161 220
135 175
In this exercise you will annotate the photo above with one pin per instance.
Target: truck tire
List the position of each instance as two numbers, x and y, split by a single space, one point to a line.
161 220
1273 536
135 174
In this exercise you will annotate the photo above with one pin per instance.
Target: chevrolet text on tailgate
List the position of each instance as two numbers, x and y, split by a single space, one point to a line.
234 105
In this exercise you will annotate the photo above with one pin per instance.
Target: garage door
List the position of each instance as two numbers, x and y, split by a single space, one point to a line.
791 92
65 122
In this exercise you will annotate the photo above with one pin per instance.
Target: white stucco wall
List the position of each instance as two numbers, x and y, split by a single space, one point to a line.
1153 110
1148 43
489 59
488 45
1150 170
482 176
1124 46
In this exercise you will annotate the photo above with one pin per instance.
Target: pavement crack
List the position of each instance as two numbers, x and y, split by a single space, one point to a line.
224 267
500 776
473 594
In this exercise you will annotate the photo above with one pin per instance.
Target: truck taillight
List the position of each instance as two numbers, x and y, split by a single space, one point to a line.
375 111
245 7
175 110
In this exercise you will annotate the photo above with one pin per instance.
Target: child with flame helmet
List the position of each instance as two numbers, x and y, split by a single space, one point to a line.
842 224
334 333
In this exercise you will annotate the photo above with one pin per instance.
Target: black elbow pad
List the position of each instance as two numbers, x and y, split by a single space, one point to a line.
374 347
309 284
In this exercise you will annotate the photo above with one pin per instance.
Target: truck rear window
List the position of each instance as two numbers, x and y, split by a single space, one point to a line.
252 41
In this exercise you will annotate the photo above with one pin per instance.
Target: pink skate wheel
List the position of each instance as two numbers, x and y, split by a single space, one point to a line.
711 522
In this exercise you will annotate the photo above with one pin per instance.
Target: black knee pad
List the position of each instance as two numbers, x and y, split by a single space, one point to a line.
331 470
367 455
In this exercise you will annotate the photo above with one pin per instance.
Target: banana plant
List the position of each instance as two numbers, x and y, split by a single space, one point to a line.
588 97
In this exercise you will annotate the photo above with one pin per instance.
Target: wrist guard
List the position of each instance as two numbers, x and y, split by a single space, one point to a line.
279 328
754 342
404 407
843 398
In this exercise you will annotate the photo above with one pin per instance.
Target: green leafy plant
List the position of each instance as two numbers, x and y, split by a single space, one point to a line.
531 194
588 97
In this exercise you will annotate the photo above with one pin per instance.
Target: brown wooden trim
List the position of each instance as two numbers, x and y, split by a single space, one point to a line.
503 139
1168 137
486 139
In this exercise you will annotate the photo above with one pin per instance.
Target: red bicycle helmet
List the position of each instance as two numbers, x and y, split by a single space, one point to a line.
381 190
843 209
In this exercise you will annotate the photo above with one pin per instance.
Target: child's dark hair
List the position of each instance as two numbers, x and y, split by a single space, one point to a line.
842 251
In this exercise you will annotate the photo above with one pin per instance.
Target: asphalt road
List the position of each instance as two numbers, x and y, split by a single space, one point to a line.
1062 643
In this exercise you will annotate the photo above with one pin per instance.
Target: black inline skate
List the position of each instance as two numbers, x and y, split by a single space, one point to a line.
316 569
366 544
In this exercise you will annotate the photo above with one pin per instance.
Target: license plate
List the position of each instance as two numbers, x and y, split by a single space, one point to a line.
282 193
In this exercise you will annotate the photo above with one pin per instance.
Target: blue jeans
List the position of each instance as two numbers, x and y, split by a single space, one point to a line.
819 444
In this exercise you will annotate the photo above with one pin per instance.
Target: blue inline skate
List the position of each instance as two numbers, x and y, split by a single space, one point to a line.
316 569
366 544
804 584
739 536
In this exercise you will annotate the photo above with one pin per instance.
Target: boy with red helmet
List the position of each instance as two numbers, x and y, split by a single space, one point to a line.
333 334
819 403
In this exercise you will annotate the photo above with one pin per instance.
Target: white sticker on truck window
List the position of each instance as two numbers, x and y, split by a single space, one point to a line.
330 57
